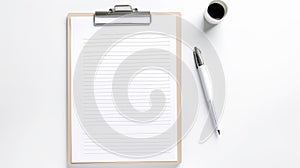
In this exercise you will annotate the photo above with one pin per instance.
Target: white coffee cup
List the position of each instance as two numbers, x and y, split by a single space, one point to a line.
215 11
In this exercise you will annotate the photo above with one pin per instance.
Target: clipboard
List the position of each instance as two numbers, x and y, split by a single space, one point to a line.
100 19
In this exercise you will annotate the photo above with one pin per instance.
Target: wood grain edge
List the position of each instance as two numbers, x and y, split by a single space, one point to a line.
69 140
178 69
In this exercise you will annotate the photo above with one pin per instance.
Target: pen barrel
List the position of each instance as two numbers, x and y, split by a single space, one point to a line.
207 88
206 83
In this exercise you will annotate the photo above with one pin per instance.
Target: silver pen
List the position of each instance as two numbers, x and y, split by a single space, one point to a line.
206 86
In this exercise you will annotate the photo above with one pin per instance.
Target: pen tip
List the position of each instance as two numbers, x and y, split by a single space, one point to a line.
219 132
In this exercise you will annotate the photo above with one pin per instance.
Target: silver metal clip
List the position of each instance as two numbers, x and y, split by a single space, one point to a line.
122 14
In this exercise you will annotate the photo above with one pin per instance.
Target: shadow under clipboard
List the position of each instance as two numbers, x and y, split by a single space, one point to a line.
126 166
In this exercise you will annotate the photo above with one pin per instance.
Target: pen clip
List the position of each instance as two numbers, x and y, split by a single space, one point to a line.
197 57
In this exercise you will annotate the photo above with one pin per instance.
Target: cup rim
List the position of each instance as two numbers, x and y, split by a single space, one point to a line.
222 3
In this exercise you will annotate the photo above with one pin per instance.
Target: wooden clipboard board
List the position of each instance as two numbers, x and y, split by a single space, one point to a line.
69 90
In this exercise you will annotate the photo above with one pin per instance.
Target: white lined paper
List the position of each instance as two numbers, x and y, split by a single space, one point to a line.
84 148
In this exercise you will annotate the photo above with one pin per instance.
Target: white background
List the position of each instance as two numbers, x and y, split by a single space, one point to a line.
258 44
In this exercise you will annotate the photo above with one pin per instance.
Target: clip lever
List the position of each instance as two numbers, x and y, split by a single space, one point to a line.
122 14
